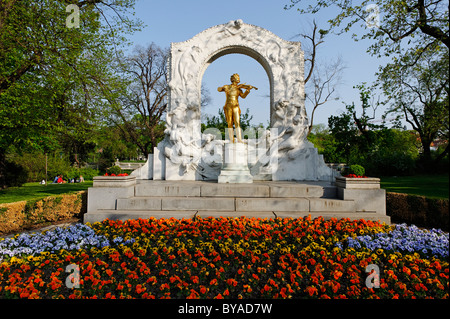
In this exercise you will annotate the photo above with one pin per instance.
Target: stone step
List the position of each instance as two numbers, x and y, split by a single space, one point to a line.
244 204
272 204
198 203
125 215
214 189
167 188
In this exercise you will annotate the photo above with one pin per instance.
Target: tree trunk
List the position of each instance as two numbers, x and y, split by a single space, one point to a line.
2 168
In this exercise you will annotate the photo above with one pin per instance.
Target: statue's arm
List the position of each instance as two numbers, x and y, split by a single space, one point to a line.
244 94
221 88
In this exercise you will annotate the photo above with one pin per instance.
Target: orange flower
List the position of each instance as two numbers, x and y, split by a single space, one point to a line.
193 295
140 289
311 290
231 282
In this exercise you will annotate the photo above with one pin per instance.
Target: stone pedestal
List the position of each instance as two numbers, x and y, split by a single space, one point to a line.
235 165
107 189
366 193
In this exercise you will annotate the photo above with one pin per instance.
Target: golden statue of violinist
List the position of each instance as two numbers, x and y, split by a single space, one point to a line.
231 108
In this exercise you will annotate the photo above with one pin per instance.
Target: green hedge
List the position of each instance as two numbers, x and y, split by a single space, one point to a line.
418 210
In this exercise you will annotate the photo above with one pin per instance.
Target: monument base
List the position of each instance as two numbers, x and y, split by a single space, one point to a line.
235 168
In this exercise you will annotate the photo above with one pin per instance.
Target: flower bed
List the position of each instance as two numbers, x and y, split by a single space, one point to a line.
235 258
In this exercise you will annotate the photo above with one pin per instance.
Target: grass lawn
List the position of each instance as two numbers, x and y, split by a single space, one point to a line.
33 191
432 186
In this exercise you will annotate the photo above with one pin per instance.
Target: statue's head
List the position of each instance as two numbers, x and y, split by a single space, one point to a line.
235 78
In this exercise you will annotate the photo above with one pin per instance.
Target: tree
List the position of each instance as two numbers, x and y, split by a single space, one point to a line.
49 72
415 34
381 150
421 22
355 133
420 93
137 112
326 144
321 78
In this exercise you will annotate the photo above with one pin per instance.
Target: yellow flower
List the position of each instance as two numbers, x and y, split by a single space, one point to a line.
14 259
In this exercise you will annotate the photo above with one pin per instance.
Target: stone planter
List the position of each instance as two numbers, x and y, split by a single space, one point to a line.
114 181
366 193
107 189
357 183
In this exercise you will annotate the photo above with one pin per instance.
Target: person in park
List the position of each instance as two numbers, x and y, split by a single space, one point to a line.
231 108
59 180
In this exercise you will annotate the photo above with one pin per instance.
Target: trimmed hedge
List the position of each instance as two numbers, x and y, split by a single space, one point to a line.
418 210
25 214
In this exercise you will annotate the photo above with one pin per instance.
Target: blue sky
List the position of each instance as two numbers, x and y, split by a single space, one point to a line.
176 20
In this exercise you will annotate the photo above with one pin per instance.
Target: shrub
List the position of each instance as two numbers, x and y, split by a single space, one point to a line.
16 175
357 170
390 164
87 173
20 215
116 170
418 210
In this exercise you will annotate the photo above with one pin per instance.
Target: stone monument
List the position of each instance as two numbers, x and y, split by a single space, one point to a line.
281 153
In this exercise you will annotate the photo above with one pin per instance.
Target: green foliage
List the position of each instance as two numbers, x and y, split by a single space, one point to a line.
353 139
326 144
419 94
116 170
418 24
358 170
15 174
87 173
53 79
415 35
219 122
57 164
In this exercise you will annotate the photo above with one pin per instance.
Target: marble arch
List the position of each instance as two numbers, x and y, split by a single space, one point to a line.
282 60
187 154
